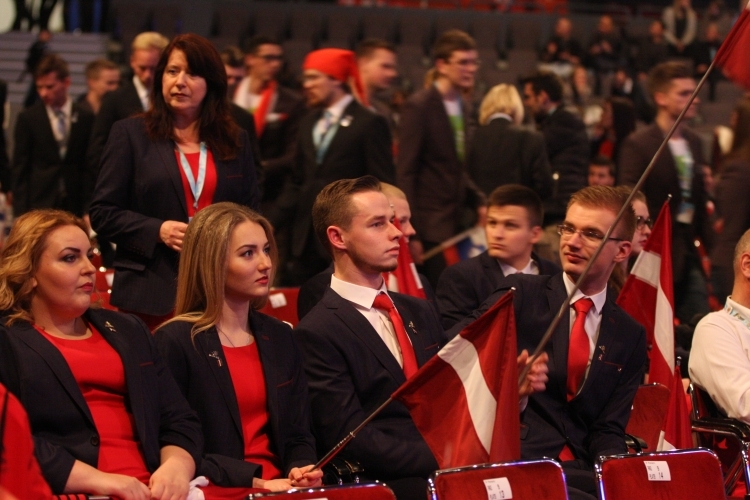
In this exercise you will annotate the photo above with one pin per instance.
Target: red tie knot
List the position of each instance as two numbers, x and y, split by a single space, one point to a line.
582 306
383 301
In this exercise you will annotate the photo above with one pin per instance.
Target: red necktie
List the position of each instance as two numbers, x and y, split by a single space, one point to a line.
578 352
383 302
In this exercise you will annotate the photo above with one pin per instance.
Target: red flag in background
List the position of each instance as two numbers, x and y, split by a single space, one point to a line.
648 296
734 54
404 279
464 401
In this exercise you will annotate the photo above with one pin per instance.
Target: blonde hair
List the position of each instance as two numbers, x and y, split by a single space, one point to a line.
391 191
149 40
501 98
203 263
20 258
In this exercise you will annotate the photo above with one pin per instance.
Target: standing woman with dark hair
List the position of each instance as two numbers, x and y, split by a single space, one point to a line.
617 122
238 368
159 169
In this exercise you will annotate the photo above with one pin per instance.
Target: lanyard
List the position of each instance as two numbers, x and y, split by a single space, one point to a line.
195 187
730 310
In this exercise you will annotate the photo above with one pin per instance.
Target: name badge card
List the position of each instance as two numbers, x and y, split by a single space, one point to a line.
498 489
657 471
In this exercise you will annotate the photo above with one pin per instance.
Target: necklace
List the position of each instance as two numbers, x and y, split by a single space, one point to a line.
230 340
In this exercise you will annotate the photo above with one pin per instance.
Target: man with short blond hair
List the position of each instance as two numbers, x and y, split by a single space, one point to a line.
102 76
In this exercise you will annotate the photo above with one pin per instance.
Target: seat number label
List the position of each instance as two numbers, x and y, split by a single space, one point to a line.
498 489
657 471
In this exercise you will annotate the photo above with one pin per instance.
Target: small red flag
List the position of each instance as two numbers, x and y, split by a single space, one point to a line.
734 54
464 401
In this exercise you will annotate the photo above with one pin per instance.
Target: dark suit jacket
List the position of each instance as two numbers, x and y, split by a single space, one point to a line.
593 423
361 147
209 389
64 431
568 152
732 205
245 121
428 169
278 142
313 290
351 372
116 105
139 187
504 153
464 286
635 154
37 167
4 162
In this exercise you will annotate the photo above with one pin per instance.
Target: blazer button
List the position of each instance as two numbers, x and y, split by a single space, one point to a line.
94 440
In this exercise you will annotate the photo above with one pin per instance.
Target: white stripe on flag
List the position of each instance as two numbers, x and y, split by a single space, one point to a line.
416 275
463 358
664 328
663 444
648 268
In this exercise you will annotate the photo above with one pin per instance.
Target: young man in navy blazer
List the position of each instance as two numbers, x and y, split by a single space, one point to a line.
514 225
352 356
579 418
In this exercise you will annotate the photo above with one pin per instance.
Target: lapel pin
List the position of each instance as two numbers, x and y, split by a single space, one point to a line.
411 325
109 326
603 348
346 121
215 355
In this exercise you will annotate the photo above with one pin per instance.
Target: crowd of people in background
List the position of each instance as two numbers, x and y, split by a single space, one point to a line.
206 178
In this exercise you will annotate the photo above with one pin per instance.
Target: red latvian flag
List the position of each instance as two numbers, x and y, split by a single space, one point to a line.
734 54
404 279
464 401
648 296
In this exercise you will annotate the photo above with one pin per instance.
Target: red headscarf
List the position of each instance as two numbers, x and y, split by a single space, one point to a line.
340 65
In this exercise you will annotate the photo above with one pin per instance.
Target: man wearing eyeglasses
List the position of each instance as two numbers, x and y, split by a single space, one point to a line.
434 134
596 354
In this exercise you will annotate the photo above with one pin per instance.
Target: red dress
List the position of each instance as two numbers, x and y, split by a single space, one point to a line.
209 186
99 372
250 388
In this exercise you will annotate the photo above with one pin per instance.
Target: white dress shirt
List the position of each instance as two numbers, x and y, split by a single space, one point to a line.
593 318
362 298
530 268
144 94
720 359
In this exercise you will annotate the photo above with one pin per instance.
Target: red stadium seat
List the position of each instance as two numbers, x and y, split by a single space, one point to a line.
649 410
79 496
672 475
531 480
369 491
282 305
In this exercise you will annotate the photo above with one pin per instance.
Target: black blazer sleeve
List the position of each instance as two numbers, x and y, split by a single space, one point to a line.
457 292
379 150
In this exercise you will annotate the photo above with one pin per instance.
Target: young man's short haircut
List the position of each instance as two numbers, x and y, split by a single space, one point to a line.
548 82
233 57
252 45
95 68
518 196
149 40
366 48
608 198
391 191
603 161
52 63
333 205
450 42
660 77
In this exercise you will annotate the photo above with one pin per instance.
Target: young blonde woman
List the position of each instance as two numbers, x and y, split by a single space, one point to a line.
239 369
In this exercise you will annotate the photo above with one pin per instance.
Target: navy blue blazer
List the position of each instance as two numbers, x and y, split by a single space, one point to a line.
464 286
35 371
351 372
139 187
593 423
202 375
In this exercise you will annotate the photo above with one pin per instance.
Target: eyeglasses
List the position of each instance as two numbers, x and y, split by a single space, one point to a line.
641 221
587 235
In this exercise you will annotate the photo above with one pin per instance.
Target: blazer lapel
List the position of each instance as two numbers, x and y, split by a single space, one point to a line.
342 128
45 128
604 344
492 268
417 341
363 330
131 365
209 345
169 162
558 361
265 351
49 353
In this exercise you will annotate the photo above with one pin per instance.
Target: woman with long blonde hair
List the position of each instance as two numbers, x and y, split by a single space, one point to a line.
239 369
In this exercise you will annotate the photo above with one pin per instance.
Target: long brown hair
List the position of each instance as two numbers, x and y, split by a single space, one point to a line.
20 258
741 142
216 125
203 263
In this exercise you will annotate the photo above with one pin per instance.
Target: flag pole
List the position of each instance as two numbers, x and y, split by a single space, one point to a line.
566 303
336 449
